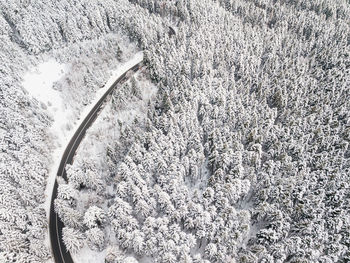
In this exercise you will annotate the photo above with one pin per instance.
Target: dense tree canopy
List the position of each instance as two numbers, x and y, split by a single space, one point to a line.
242 156
244 153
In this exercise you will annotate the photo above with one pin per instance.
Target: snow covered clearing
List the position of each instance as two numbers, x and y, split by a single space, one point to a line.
39 83
39 80
86 255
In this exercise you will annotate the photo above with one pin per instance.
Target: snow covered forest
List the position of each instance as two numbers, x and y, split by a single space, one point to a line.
238 151
32 32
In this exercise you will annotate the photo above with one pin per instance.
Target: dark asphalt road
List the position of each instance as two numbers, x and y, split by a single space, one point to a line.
61 255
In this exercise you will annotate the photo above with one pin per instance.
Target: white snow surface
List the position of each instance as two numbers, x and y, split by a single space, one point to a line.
86 255
39 83
39 80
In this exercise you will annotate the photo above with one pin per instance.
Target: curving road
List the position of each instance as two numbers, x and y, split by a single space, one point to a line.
61 255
